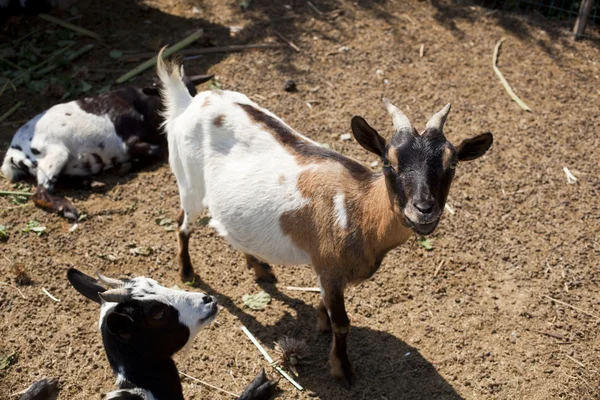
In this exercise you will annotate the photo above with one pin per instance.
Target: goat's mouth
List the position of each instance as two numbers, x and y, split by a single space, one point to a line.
212 313
422 228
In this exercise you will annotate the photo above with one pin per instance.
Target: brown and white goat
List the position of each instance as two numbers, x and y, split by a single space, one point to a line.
281 198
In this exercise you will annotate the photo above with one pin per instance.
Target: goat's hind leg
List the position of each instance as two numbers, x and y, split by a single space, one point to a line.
262 270
184 231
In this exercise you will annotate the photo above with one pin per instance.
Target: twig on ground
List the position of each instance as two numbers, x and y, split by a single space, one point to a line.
8 193
421 51
449 209
149 63
573 307
439 267
409 19
207 50
575 361
507 87
270 360
209 385
287 41
571 180
554 335
10 112
70 26
304 289
14 287
68 59
314 8
47 293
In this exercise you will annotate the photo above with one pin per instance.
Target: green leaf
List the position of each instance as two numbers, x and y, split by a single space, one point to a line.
167 223
115 54
35 226
203 221
18 199
85 87
3 233
7 361
257 301
103 89
426 243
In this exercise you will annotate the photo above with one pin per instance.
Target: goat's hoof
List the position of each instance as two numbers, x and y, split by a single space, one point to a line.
344 374
190 278
266 276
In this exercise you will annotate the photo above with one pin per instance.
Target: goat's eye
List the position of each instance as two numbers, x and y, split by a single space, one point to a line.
453 165
157 312
387 164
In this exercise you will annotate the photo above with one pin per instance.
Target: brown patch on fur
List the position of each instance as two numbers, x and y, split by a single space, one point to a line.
281 179
447 157
206 102
344 255
218 121
392 156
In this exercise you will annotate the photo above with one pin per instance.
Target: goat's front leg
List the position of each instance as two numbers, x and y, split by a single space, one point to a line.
50 164
262 270
184 231
333 299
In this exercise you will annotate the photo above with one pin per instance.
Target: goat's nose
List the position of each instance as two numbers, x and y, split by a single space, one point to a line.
208 299
425 206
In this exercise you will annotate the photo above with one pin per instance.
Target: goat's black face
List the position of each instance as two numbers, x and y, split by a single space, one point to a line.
419 168
148 324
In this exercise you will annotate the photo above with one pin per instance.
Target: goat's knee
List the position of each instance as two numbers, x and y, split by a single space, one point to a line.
323 321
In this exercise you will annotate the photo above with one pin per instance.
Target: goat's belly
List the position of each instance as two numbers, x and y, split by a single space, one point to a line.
267 243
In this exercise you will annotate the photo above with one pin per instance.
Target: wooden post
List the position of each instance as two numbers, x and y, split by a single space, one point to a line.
584 13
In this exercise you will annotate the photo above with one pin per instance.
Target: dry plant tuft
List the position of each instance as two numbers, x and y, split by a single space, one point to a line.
291 352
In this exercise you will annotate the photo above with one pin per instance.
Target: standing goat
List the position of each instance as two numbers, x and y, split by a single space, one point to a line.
281 198
143 324
84 137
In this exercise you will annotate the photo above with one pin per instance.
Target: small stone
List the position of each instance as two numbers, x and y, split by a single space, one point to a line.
345 136
290 86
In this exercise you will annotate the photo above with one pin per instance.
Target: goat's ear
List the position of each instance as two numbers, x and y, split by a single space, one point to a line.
84 284
475 147
367 137
150 91
120 325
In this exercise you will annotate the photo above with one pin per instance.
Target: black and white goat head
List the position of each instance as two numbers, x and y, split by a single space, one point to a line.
143 324
87 136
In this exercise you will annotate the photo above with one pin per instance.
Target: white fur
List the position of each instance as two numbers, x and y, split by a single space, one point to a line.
341 218
223 168
66 137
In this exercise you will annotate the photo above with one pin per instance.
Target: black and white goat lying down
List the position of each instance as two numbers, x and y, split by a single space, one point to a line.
87 136
143 324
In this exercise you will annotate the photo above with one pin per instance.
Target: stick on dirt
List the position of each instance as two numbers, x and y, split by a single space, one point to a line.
507 87
288 41
70 26
209 385
68 59
207 50
8 193
270 360
151 62
304 289
439 267
14 287
47 293
573 307
11 111
315 9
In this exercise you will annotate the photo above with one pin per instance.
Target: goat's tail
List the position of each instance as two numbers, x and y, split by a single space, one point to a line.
175 95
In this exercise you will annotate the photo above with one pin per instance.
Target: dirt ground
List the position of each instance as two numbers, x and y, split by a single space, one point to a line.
473 318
